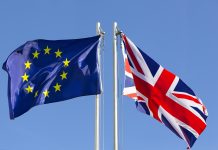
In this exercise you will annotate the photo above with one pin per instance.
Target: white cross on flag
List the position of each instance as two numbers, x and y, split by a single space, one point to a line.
162 95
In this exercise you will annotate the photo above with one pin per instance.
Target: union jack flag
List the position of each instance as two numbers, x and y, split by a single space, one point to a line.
162 95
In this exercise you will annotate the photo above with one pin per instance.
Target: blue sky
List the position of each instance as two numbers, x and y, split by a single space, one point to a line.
180 35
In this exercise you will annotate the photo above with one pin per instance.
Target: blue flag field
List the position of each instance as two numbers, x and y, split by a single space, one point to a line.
45 71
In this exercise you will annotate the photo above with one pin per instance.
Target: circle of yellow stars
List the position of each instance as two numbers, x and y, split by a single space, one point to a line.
35 55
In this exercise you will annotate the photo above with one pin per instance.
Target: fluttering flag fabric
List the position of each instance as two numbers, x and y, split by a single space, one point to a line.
47 71
162 95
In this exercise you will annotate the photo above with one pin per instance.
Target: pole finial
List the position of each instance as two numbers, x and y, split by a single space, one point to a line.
99 30
117 31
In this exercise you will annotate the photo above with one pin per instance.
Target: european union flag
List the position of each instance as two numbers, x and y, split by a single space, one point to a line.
45 71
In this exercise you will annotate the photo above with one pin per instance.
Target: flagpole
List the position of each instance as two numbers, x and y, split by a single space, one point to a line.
115 87
97 104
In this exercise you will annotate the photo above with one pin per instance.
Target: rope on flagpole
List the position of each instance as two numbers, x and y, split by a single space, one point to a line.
102 102
100 32
122 84
120 94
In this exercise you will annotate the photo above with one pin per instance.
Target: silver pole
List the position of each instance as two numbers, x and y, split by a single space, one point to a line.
97 104
115 87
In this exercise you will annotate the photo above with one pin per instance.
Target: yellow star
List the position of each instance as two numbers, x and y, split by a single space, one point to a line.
57 87
58 53
29 89
66 63
46 93
27 65
47 50
64 75
36 94
35 54
25 77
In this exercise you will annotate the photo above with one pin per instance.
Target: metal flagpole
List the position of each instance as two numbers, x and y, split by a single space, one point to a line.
97 101
97 107
115 87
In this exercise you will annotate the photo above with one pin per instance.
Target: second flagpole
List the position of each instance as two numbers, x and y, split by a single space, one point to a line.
116 144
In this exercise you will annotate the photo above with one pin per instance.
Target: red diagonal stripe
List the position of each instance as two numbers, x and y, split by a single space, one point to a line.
187 97
130 52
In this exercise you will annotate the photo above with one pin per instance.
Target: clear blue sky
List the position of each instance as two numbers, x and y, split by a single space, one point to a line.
180 35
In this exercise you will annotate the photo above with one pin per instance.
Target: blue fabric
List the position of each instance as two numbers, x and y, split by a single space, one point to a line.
45 72
182 87
152 65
